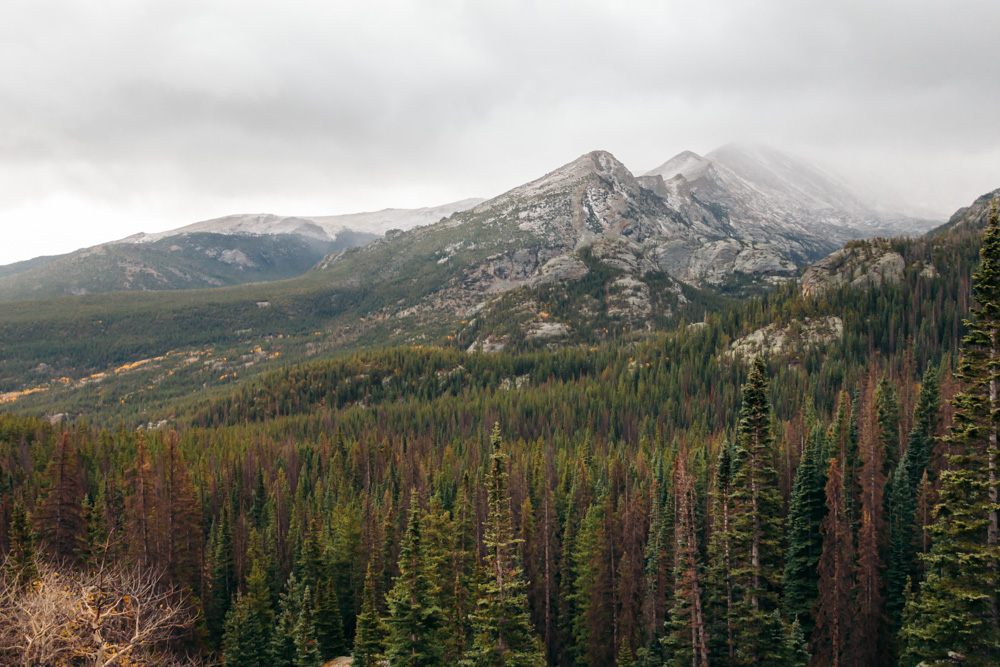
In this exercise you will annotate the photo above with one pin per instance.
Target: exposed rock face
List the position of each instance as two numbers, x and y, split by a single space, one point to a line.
859 265
623 255
766 196
561 269
713 262
548 330
970 217
774 340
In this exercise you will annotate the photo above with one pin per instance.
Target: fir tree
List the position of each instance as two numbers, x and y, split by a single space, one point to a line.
329 622
904 526
59 518
887 414
282 647
805 540
368 640
955 612
21 558
307 651
224 573
925 419
245 640
686 642
415 621
756 527
900 525
501 627
294 643
719 582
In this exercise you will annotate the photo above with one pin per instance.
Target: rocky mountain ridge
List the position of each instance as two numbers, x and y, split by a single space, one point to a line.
766 196
323 227
231 250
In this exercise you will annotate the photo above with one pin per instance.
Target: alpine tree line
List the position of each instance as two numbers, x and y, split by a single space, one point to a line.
831 511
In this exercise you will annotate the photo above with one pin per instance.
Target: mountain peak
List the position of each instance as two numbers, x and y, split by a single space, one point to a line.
688 164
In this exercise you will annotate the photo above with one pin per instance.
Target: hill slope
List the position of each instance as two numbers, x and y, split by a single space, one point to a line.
232 250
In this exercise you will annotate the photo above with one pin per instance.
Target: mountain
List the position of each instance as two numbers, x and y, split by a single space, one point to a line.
232 250
323 227
769 197
969 218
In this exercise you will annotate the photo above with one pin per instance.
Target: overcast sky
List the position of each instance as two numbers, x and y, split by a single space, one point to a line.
119 116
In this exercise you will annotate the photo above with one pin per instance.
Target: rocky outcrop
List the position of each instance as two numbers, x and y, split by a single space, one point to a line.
857 264
714 262
775 340
561 269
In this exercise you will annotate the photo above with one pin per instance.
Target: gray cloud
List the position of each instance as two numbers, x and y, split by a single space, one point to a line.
118 116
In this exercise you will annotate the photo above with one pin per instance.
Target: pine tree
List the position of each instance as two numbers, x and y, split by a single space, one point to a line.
900 525
95 533
834 610
282 648
415 621
307 651
245 641
501 627
805 540
294 643
904 526
223 574
756 528
887 411
796 646
179 517
955 612
59 518
139 505
329 622
369 638
686 642
925 420
719 582
21 558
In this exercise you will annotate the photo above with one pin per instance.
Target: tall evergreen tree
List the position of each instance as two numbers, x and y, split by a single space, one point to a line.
805 540
416 622
955 612
719 582
59 519
756 528
368 640
903 524
245 639
887 413
329 622
502 635
21 558
925 420
686 642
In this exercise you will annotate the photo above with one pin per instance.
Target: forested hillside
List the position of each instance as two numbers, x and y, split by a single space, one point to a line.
673 499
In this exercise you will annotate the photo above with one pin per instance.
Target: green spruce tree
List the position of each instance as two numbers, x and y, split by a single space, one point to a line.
370 636
21 558
245 639
756 529
416 622
502 635
954 616
805 539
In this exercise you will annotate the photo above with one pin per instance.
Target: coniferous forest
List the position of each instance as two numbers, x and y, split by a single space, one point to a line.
638 504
